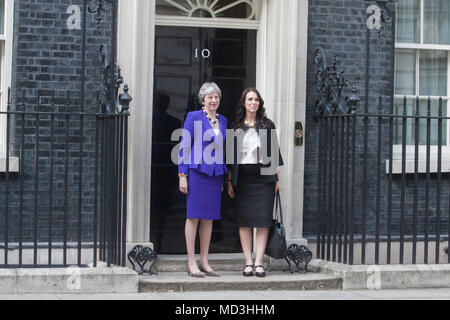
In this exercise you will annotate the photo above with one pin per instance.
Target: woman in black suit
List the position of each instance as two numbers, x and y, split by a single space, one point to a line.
253 180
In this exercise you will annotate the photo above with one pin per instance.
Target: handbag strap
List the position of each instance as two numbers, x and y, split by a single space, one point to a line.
278 207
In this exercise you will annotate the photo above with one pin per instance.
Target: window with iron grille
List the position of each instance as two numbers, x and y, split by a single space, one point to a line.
6 27
422 67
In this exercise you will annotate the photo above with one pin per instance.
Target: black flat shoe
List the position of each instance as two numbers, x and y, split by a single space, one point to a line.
260 274
250 273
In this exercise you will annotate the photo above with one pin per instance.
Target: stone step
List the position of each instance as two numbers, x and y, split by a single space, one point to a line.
219 262
234 280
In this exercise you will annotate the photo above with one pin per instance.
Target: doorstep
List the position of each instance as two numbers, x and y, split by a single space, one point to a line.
234 280
217 261
172 277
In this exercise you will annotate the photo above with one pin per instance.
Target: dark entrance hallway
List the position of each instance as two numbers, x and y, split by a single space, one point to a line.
185 58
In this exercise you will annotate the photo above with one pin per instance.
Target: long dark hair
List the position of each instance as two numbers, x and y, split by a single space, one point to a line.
241 112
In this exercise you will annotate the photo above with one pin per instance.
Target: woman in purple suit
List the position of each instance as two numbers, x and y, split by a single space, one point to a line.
201 171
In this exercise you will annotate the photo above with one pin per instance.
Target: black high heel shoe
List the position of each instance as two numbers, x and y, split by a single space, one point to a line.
260 274
250 273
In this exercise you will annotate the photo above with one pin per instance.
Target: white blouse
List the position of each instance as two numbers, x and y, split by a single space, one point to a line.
250 145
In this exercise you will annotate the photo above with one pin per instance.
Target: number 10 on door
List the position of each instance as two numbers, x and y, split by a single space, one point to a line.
206 53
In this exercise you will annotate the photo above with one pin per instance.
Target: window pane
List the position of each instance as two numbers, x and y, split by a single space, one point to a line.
398 122
2 16
405 71
410 122
408 21
164 8
423 110
433 73
436 22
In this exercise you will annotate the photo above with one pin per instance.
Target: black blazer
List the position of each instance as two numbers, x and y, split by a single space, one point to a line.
234 168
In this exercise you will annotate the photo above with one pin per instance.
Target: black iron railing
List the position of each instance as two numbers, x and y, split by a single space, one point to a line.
63 188
383 183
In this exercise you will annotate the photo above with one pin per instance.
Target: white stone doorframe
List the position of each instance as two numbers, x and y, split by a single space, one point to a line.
281 77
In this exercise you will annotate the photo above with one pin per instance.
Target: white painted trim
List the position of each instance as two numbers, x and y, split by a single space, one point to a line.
13 164
410 96
214 9
300 115
277 81
207 23
418 46
261 47
6 69
410 152
136 37
410 158
422 165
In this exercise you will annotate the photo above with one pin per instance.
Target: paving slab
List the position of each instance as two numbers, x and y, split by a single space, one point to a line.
362 277
68 280
276 295
8 281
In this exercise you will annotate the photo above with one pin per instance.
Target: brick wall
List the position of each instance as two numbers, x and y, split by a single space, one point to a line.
47 69
339 26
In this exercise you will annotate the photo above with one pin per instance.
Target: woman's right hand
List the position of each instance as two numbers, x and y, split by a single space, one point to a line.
231 191
184 185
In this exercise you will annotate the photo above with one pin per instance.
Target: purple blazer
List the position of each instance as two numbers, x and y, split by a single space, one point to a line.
193 147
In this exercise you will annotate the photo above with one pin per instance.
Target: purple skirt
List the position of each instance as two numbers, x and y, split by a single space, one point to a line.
205 196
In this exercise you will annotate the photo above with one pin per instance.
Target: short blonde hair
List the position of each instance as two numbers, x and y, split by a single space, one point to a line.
208 88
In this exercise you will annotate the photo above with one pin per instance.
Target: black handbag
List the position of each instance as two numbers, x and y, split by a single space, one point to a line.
276 244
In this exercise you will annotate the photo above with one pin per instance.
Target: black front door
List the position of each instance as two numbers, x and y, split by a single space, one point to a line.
185 58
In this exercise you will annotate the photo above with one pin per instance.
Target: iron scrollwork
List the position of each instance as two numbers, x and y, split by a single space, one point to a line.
299 255
143 255
110 83
98 10
331 83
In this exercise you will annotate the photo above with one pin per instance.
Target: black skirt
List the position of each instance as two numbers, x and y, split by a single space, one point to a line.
254 198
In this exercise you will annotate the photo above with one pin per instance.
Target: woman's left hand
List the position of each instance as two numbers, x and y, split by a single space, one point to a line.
278 187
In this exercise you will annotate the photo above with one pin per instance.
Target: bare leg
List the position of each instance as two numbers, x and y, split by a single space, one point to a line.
246 236
262 234
205 231
190 233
